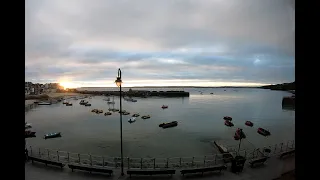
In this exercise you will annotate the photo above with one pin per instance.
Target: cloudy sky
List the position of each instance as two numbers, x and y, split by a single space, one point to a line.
160 42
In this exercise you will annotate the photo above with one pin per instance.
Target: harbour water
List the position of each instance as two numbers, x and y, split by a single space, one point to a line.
200 122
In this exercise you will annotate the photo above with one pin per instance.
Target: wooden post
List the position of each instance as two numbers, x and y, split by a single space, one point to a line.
128 163
154 163
68 158
102 161
58 155
204 161
167 162
141 163
180 162
79 158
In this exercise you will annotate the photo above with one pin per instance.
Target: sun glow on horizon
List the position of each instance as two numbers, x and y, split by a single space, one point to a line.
68 85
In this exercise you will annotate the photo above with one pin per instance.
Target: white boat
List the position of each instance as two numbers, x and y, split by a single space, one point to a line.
131 120
27 126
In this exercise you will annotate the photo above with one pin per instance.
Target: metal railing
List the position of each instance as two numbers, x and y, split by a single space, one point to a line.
155 163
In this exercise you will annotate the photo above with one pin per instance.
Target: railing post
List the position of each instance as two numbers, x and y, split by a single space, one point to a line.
58 155
154 163
68 158
79 158
102 161
141 163
204 161
167 162
128 163
180 162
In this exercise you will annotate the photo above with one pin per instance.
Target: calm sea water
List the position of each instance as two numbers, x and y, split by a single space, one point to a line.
200 119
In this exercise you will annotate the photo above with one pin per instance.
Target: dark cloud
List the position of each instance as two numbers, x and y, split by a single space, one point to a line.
215 40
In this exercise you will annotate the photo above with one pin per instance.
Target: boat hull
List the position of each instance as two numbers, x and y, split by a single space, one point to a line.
52 136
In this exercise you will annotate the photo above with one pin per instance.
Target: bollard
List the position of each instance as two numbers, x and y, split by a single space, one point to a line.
154 163
128 163
102 161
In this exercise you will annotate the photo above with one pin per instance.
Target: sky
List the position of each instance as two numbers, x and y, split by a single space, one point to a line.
82 43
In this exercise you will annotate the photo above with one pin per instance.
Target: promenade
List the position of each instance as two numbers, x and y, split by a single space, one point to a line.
273 169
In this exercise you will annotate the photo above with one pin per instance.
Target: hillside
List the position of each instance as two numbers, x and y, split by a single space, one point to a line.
282 87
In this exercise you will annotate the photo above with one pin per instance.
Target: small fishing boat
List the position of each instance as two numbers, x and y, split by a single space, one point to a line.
64 102
133 100
164 107
170 124
136 115
145 117
239 134
83 102
111 102
44 103
125 113
107 113
69 104
29 134
263 132
249 123
99 111
52 135
94 110
227 118
88 104
28 126
131 120
228 123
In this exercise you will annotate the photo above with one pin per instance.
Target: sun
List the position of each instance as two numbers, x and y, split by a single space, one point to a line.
67 85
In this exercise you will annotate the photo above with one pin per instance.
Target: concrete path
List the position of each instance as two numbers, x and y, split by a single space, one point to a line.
273 169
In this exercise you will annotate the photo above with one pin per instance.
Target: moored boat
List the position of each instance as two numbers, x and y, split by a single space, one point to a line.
52 135
44 103
227 118
136 115
249 123
164 107
69 104
88 104
125 113
131 120
145 117
263 132
170 124
239 134
107 113
29 134
228 123
83 102
27 126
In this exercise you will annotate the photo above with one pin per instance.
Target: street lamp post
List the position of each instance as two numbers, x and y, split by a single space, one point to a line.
118 81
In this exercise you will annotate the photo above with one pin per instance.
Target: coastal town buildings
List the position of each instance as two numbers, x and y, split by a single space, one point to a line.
38 88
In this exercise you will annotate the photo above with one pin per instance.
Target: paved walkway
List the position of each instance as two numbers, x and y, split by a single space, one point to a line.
273 169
